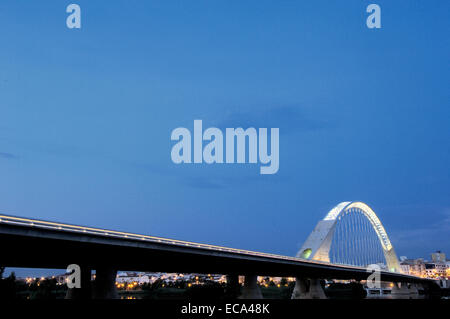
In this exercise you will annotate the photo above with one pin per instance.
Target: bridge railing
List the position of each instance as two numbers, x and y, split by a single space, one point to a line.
55 226
12 220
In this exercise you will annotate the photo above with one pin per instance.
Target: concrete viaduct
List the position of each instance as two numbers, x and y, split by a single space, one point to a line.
42 244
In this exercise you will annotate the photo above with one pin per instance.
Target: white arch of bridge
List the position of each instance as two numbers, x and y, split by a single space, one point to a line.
318 244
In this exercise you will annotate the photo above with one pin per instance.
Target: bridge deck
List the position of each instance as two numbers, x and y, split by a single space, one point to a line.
43 244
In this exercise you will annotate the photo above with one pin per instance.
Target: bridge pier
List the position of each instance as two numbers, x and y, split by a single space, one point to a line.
105 283
84 292
233 288
413 291
403 290
300 289
251 289
308 289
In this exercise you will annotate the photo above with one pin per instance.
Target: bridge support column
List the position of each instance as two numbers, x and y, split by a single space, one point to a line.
413 291
105 284
84 292
308 289
233 288
251 289
420 288
444 283
400 291
300 289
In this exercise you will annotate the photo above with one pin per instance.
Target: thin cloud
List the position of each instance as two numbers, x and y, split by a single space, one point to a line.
204 183
8 155
221 181
287 118
431 237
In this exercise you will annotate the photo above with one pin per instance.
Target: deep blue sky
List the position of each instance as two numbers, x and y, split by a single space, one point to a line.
86 116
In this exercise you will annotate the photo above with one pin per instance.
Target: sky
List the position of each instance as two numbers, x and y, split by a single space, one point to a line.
86 117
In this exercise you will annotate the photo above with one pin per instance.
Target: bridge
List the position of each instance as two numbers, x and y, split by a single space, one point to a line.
333 251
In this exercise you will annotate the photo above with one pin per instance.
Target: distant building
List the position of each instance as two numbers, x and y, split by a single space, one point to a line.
127 279
61 279
437 268
132 277
414 267
438 257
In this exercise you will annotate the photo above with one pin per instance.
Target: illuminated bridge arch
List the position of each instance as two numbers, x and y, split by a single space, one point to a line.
351 233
